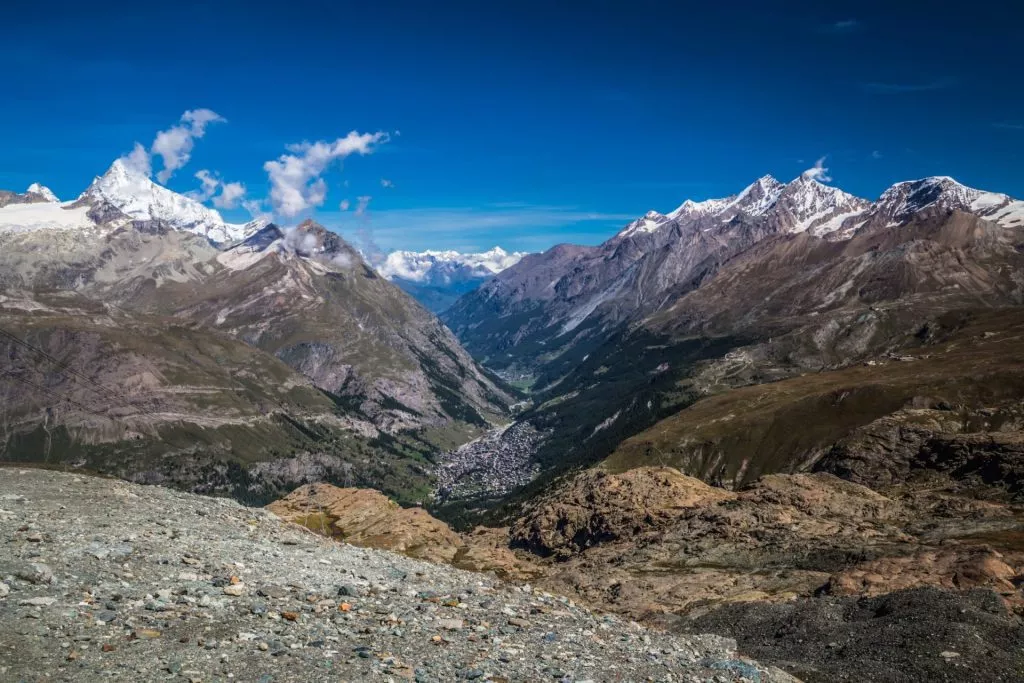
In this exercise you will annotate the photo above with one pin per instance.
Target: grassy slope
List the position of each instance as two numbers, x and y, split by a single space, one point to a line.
741 434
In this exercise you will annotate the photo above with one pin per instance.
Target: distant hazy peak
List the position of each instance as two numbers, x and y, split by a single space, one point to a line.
442 267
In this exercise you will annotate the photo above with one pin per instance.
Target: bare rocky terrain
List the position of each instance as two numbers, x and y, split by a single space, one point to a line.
823 577
106 580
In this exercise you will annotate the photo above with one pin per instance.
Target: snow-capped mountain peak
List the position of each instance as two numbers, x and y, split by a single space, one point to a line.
904 199
437 278
810 205
650 222
137 196
707 207
758 197
43 191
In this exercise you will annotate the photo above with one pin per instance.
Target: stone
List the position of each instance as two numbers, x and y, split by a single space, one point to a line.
38 602
298 629
450 624
276 592
36 573
235 589
346 590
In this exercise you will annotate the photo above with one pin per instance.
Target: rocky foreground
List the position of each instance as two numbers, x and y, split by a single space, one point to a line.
822 577
103 579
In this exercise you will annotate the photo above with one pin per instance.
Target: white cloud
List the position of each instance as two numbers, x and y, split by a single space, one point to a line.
255 209
174 145
844 26
295 182
299 241
344 205
362 203
818 172
138 160
198 118
384 182
307 244
230 195
876 154
209 186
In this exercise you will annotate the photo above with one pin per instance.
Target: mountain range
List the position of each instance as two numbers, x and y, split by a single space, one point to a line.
571 296
438 278
150 338
785 415
778 280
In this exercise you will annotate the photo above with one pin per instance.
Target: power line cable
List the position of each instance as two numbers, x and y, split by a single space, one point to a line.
56 396
62 365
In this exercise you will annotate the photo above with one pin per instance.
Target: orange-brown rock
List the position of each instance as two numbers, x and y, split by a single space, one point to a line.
487 549
368 518
597 507
953 566
651 540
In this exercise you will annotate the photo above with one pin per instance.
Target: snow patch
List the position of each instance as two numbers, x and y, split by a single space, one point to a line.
43 216
241 258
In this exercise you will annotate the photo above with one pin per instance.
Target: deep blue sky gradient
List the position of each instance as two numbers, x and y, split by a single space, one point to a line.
522 123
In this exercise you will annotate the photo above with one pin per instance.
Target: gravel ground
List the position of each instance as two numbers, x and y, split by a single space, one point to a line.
102 579
923 634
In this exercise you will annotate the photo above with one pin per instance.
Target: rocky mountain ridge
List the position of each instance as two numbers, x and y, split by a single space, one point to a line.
571 296
617 337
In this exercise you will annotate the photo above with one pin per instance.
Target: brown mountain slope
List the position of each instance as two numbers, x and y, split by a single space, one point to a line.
308 298
788 425
152 399
789 305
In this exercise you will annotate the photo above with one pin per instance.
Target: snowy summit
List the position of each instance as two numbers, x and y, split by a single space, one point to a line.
137 196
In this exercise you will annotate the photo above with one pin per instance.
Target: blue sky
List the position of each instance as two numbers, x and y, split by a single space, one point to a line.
522 123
